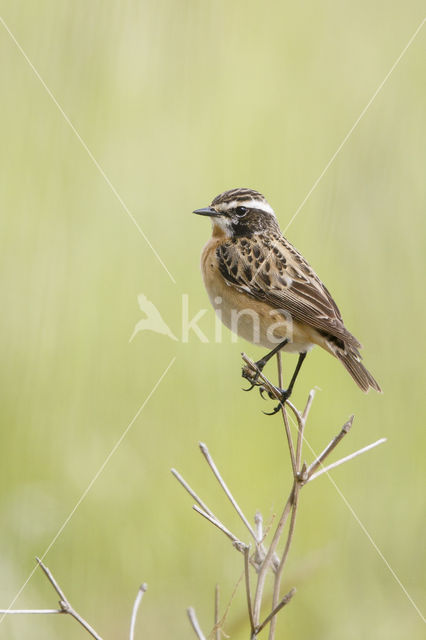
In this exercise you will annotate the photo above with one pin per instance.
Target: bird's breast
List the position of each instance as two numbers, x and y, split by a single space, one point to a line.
255 321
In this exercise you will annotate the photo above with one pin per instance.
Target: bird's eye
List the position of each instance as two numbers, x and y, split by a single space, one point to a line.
241 211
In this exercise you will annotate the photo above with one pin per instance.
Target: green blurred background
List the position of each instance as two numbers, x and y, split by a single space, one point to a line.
179 101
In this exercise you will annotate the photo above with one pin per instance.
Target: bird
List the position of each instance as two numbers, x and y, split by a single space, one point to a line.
265 291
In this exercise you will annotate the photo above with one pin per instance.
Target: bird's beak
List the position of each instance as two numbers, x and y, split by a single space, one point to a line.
207 211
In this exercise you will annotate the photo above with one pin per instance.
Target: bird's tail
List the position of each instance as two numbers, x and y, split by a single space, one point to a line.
351 360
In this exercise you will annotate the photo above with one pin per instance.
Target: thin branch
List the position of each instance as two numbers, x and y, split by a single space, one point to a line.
309 402
265 566
52 580
211 517
260 553
213 467
10 612
300 432
248 591
296 412
346 458
329 448
278 575
194 623
258 521
237 543
64 604
265 560
278 608
191 492
206 512
289 440
136 606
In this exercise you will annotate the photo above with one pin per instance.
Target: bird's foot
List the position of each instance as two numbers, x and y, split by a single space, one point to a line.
283 395
252 373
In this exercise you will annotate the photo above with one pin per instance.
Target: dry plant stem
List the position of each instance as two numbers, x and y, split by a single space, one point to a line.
192 493
213 467
64 604
237 543
329 448
194 623
264 560
294 506
265 566
210 516
135 610
278 575
307 409
346 458
299 446
278 608
206 512
11 612
248 590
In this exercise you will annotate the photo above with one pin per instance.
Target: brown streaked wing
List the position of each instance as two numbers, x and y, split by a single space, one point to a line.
272 270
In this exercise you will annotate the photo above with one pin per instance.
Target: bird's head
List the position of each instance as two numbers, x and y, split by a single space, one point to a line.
240 213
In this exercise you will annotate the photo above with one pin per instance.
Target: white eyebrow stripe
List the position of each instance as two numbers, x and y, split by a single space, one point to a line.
250 203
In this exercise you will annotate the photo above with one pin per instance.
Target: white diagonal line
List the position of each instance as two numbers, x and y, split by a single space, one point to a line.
363 528
93 480
345 139
355 124
375 547
89 153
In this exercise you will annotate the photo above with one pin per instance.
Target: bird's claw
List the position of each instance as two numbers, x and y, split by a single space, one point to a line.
274 411
252 375
284 395
262 390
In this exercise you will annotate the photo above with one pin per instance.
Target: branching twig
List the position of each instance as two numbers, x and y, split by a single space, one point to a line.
237 543
266 563
192 493
278 608
278 575
329 448
213 467
211 517
265 560
346 459
64 603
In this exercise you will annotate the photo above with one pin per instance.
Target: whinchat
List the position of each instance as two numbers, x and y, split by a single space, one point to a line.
264 290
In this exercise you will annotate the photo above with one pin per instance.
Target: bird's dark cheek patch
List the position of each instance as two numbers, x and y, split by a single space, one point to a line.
241 229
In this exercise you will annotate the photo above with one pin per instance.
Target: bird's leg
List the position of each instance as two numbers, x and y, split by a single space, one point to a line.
286 393
261 363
